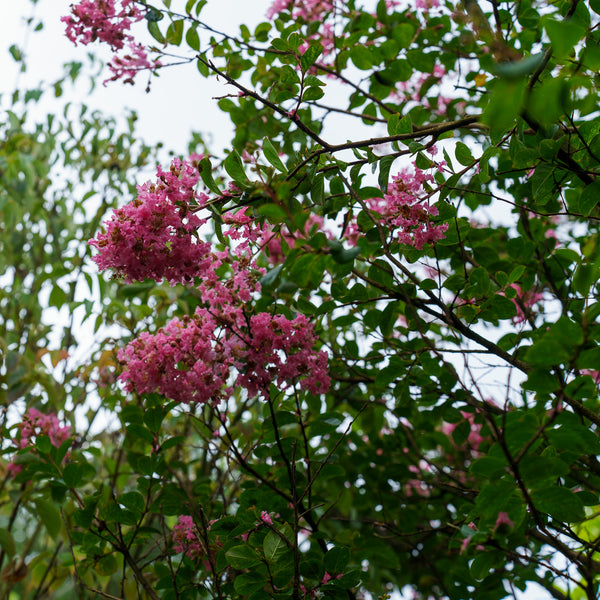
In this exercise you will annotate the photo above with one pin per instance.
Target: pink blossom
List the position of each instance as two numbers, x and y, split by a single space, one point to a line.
282 351
403 210
128 66
35 424
527 299
427 5
92 20
185 538
305 10
595 375
267 518
190 360
155 235
109 21
503 519
181 361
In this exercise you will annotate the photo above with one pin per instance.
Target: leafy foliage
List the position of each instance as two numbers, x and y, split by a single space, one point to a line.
442 258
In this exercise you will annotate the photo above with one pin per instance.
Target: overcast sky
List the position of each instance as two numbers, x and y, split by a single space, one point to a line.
168 113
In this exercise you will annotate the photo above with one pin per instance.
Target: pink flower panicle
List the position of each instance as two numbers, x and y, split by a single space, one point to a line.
282 351
186 539
34 424
92 20
109 21
180 361
305 10
527 299
503 520
191 360
154 236
310 11
403 209
129 65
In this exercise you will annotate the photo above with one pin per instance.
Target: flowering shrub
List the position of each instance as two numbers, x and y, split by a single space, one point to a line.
354 354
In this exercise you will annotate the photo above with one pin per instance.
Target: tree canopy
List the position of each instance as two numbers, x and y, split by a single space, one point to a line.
354 355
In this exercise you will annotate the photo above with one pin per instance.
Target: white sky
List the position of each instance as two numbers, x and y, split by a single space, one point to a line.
169 113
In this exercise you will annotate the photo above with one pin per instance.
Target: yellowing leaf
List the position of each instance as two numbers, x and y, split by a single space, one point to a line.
480 79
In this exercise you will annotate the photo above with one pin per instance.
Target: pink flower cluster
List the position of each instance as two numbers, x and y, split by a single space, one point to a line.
305 10
427 5
403 209
108 22
129 65
271 241
154 236
194 359
92 20
411 89
526 299
309 11
185 538
474 438
191 360
34 424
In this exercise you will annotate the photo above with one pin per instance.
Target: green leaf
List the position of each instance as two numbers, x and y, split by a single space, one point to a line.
242 557
563 36
560 503
272 155
463 154
340 254
133 501
49 515
106 565
153 418
274 547
235 168
206 174
590 198
192 39
482 565
273 212
7 542
336 560
521 68
505 104
312 93
72 475
175 33
309 57
361 57
155 32
15 52
154 15
43 444
247 583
